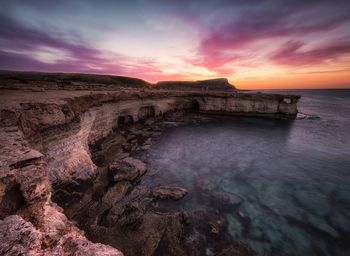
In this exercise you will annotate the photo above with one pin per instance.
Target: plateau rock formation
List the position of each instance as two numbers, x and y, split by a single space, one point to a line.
219 84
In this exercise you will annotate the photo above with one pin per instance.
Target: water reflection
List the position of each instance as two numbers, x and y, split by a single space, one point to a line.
293 177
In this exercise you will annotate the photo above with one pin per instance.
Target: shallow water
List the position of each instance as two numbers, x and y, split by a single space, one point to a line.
293 176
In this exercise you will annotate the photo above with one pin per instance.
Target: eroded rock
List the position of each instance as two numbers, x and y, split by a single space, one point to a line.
18 237
169 192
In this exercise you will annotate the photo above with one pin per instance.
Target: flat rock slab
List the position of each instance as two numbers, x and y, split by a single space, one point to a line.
169 192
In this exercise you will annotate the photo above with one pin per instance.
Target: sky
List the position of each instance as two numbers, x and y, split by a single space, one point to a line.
256 44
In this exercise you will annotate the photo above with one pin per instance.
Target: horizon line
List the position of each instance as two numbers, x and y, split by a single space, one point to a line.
347 87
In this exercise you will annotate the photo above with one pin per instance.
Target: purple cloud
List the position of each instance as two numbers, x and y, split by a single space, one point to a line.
291 54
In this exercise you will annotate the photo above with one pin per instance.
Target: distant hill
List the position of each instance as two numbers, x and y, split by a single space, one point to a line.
219 84
74 81
77 81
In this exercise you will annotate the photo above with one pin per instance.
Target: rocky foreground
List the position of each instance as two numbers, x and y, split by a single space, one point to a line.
71 161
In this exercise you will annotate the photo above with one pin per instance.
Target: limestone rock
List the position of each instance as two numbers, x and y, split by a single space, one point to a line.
169 192
18 237
76 245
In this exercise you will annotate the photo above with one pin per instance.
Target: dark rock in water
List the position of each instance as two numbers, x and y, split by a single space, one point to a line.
236 250
169 192
214 226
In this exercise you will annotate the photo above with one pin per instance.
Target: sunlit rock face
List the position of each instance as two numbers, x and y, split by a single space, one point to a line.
31 224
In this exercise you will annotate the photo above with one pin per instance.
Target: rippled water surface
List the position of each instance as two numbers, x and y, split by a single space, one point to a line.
293 176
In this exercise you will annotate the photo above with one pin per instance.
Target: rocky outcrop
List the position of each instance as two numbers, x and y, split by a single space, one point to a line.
169 192
32 224
20 237
53 145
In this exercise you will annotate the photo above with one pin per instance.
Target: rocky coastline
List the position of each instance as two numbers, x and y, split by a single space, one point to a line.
72 162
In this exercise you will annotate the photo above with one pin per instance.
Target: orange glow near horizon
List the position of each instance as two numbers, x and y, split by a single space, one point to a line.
327 80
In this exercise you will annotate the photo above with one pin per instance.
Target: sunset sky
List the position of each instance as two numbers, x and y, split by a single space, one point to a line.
254 43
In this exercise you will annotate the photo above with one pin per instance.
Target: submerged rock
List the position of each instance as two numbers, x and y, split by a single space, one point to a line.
216 197
236 250
226 199
169 192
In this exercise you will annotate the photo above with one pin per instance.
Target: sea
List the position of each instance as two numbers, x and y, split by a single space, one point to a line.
293 177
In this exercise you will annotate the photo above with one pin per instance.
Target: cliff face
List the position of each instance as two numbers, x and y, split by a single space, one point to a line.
30 223
46 140
64 130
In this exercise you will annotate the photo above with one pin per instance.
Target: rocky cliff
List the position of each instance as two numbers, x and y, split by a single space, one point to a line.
51 144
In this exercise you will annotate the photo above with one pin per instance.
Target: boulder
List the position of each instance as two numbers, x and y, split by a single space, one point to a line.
169 192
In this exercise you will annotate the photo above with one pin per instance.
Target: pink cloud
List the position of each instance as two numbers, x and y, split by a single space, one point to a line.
291 54
220 47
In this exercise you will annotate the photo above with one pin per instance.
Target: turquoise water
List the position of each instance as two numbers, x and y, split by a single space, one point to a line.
293 176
